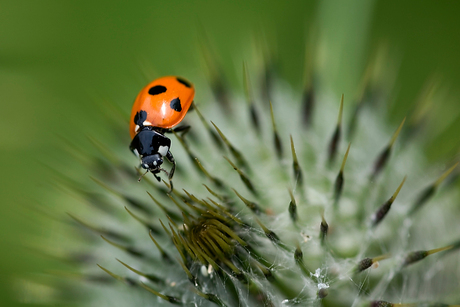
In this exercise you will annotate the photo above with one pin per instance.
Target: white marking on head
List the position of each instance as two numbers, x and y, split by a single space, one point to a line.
145 165
163 150
136 152
155 163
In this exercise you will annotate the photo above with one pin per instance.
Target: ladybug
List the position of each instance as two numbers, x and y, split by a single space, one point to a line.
160 106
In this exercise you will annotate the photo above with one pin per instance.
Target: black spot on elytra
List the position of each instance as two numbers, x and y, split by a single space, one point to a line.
175 105
140 118
157 89
184 82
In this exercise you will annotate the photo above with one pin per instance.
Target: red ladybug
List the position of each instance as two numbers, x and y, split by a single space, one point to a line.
160 106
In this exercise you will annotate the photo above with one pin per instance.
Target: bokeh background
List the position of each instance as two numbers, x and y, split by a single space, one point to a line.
58 59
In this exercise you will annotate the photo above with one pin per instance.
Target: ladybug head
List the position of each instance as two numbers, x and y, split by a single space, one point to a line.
152 163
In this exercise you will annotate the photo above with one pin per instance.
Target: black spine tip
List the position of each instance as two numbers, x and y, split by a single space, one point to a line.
414 257
322 293
293 208
323 229
338 186
308 102
380 304
382 159
380 162
351 131
297 171
385 208
272 236
254 115
255 121
381 212
276 137
298 254
364 264
335 140
333 145
423 198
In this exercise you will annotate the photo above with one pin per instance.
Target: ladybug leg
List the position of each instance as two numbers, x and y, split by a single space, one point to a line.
181 129
171 159
184 129
156 177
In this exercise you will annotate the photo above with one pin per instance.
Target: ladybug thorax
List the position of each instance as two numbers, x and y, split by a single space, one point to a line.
149 142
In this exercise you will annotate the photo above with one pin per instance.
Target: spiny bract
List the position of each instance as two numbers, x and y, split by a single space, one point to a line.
280 199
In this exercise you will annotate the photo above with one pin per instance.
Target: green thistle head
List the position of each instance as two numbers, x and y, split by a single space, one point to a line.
279 199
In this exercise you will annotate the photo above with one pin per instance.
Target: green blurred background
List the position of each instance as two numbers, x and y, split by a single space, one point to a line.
58 57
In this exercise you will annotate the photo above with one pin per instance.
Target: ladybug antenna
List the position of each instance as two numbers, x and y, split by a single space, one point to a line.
165 171
138 180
